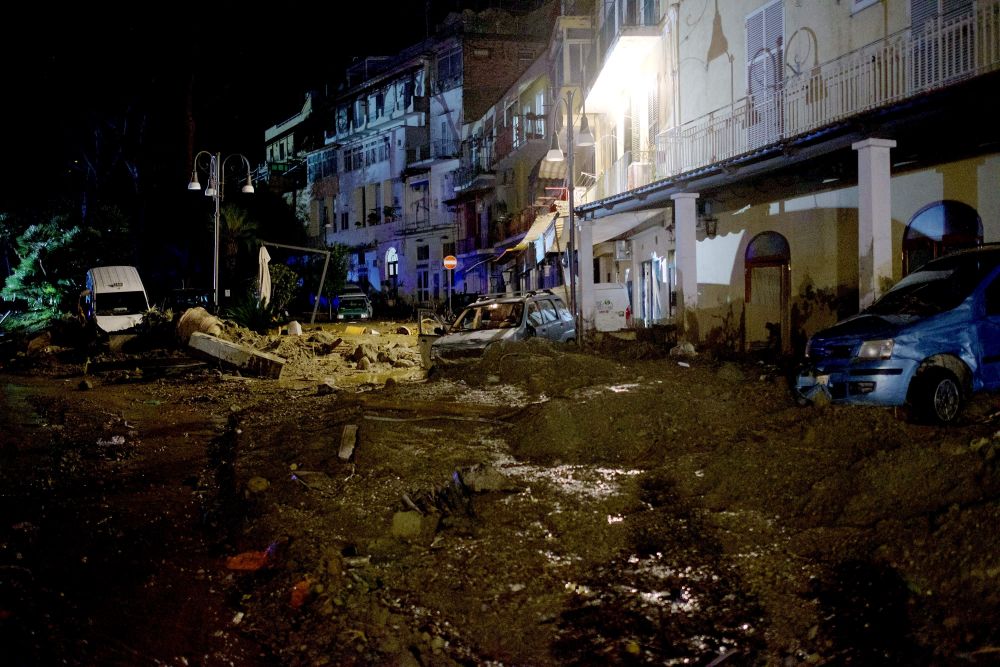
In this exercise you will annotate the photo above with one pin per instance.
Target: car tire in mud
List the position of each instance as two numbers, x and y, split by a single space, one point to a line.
937 396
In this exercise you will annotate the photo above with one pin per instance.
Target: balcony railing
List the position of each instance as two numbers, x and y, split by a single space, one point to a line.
516 135
445 148
632 170
477 160
900 67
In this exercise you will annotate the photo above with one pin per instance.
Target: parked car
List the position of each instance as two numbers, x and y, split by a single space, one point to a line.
459 301
181 299
929 342
354 306
503 317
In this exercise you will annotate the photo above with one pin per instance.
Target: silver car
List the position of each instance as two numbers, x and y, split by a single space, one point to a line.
504 317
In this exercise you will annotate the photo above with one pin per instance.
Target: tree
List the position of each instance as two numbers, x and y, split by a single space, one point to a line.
310 267
49 273
236 230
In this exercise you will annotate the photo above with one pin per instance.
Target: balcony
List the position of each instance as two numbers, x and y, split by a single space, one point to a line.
523 130
898 68
445 148
901 67
476 167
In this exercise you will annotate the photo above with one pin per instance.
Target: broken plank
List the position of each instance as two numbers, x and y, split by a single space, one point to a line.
348 440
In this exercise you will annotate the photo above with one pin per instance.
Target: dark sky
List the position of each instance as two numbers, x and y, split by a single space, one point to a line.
129 68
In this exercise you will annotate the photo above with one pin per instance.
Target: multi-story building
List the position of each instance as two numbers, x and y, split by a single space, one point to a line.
384 179
286 145
764 167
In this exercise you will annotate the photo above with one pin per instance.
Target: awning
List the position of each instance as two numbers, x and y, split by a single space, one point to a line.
536 230
616 224
552 170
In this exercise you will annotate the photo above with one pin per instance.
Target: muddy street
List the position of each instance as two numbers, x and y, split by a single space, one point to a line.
543 505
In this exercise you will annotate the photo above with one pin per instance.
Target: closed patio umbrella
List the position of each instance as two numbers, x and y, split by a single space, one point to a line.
264 275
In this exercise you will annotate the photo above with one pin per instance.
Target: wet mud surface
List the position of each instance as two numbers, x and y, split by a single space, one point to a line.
543 506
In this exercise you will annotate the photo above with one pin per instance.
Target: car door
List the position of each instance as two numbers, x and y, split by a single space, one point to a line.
534 320
552 325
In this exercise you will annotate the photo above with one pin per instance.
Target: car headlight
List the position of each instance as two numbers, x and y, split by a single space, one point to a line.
876 349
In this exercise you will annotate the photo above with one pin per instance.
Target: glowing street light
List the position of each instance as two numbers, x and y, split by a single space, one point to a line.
216 171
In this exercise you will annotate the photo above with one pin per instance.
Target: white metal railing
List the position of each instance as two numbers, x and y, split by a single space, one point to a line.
899 67
632 170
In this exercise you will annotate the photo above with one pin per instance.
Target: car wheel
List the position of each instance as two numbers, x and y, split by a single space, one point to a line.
938 396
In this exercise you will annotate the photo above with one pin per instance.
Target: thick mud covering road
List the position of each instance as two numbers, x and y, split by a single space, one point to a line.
542 506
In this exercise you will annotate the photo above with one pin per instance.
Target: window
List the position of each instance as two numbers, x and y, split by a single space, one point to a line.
563 312
423 283
937 229
764 38
423 253
343 221
449 70
535 317
548 312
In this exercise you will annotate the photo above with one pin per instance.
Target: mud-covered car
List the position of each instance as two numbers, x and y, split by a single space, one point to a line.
503 318
929 342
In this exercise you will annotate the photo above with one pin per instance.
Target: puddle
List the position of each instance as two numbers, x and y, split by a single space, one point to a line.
577 481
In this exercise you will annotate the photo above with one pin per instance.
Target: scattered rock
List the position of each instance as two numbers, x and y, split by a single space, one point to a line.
257 485
326 388
38 344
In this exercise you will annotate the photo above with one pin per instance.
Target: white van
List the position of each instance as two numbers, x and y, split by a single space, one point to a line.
612 308
115 298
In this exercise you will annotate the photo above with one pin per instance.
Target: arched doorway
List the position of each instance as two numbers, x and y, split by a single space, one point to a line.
766 273
937 229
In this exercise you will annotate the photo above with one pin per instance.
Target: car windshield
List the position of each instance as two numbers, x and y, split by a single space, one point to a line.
489 316
121 303
937 286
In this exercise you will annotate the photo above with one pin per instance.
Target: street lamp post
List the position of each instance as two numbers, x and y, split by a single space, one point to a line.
216 184
585 138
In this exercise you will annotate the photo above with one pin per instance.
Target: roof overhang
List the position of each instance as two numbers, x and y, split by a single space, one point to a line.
615 225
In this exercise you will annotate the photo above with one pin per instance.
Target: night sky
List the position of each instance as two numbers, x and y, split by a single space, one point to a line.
132 69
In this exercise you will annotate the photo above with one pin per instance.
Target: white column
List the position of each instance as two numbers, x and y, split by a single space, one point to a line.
874 218
685 234
636 281
585 239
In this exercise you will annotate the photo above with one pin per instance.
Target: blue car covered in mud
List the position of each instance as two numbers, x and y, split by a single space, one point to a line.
929 342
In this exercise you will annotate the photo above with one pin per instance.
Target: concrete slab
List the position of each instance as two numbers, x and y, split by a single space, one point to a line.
237 356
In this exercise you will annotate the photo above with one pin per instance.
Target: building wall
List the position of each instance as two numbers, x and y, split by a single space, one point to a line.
713 48
822 233
491 65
